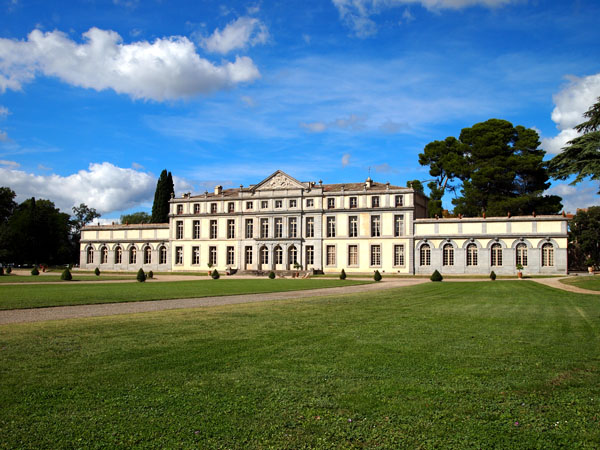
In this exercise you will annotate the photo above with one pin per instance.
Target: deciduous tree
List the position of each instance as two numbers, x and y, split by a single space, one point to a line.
136 217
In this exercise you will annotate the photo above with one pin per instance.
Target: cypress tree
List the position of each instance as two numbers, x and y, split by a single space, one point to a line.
162 195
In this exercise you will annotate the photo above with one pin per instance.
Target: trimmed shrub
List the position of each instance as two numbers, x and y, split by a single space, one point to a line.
343 275
66 275
272 275
436 276
215 275
8 270
141 276
70 266
35 271
1 270
150 274
492 275
97 272
377 276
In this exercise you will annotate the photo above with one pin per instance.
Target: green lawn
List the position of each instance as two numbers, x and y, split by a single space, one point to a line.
442 365
585 282
62 294
56 278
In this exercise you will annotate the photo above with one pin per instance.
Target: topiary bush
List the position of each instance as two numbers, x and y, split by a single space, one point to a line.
271 275
8 270
343 275
1 271
377 276
35 271
150 274
436 276
492 275
215 275
97 272
66 275
141 276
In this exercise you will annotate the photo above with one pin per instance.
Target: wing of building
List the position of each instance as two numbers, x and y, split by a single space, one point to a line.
284 224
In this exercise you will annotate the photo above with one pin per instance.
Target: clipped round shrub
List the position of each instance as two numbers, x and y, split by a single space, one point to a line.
1 270
436 276
141 276
215 275
343 275
271 275
8 270
35 271
66 275
150 274
377 276
97 272
492 275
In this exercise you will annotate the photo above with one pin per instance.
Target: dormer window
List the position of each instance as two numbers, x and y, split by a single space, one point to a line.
375 202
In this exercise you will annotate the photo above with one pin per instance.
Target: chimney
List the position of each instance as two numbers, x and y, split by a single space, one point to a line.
368 183
218 189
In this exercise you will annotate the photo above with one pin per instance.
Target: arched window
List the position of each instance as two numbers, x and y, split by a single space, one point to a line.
118 255
448 255
496 255
147 255
90 255
162 259
425 253
521 251
103 255
293 255
278 255
547 255
132 255
264 255
471 255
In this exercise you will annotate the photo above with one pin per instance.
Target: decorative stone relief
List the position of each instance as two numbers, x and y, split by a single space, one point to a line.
279 182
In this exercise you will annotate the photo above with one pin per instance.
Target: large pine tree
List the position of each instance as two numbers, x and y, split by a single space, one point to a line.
164 191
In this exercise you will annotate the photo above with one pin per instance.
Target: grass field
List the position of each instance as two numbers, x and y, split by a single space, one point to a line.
56 278
440 365
584 282
62 294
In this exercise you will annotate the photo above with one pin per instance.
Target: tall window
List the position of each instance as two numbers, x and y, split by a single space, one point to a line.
264 255
264 228
104 255
178 255
293 256
471 255
375 226
496 255
195 255
310 227
90 255
398 200
398 255
118 255
375 202
213 229
425 255
278 227
547 255
230 207
147 255
196 208
132 255
353 255
330 203
375 255
248 255
179 229
353 226
521 252
353 202
330 255
212 255
196 229
162 252
310 255
448 255
331 227
398 225
230 229
179 209
249 228
230 256
213 208
293 227
278 255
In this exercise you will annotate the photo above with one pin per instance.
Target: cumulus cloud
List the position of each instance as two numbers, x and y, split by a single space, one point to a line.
166 69
102 186
573 197
352 122
241 33
571 102
356 14
345 159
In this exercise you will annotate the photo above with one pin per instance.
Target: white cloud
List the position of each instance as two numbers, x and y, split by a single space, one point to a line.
103 186
136 166
357 13
6 163
3 136
345 159
166 69
353 122
4 112
573 197
241 33
571 102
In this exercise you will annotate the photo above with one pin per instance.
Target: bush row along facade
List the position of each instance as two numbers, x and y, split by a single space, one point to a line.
283 224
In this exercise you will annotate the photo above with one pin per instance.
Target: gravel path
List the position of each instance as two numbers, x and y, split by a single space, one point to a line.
555 283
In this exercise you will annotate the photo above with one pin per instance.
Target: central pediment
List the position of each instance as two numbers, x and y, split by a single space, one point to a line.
278 180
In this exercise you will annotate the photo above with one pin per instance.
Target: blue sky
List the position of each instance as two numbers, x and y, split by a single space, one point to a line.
97 97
